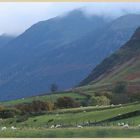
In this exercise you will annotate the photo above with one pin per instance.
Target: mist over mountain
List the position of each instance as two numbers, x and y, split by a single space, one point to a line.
61 50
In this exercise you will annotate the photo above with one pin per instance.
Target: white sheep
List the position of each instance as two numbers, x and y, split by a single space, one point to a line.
112 105
139 125
126 126
3 128
13 128
122 124
57 114
79 126
52 126
119 124
84 111
57 126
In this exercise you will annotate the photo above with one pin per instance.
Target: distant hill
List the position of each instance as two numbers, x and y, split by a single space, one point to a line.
123 65
61 50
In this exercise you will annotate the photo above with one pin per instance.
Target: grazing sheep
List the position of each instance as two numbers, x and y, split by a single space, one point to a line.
57 114
126 126
112 105
3 128
119 124
52 126
84 111
57 126
22 98
119 114
79 126
122 124
13 128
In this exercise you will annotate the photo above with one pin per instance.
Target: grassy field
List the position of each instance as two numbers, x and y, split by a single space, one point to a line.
68 117
38 126
87 132
46 97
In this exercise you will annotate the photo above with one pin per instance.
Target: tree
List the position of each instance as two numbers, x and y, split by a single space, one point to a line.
120 99
54 88
120 87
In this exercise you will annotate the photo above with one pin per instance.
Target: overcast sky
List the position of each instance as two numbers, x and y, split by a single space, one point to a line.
17 17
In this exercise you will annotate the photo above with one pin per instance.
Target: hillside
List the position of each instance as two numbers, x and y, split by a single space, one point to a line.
5 39
123 65
59 50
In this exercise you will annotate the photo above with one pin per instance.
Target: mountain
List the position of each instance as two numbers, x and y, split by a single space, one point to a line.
123 65
5 39
30 63
61 50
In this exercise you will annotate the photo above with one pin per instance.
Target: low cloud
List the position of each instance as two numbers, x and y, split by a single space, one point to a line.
17 17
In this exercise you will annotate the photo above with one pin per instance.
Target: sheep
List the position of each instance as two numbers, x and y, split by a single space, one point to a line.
3 128
119 124
57 126
79 126
13 128
122 124
22 98
126 126
52 126
57 114
84 111
139 125
112 105
87 123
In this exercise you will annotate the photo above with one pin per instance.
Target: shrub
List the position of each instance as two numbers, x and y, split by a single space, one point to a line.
66 102
104 93
22 118
1 107
9 113
36 107
50 105
99 100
